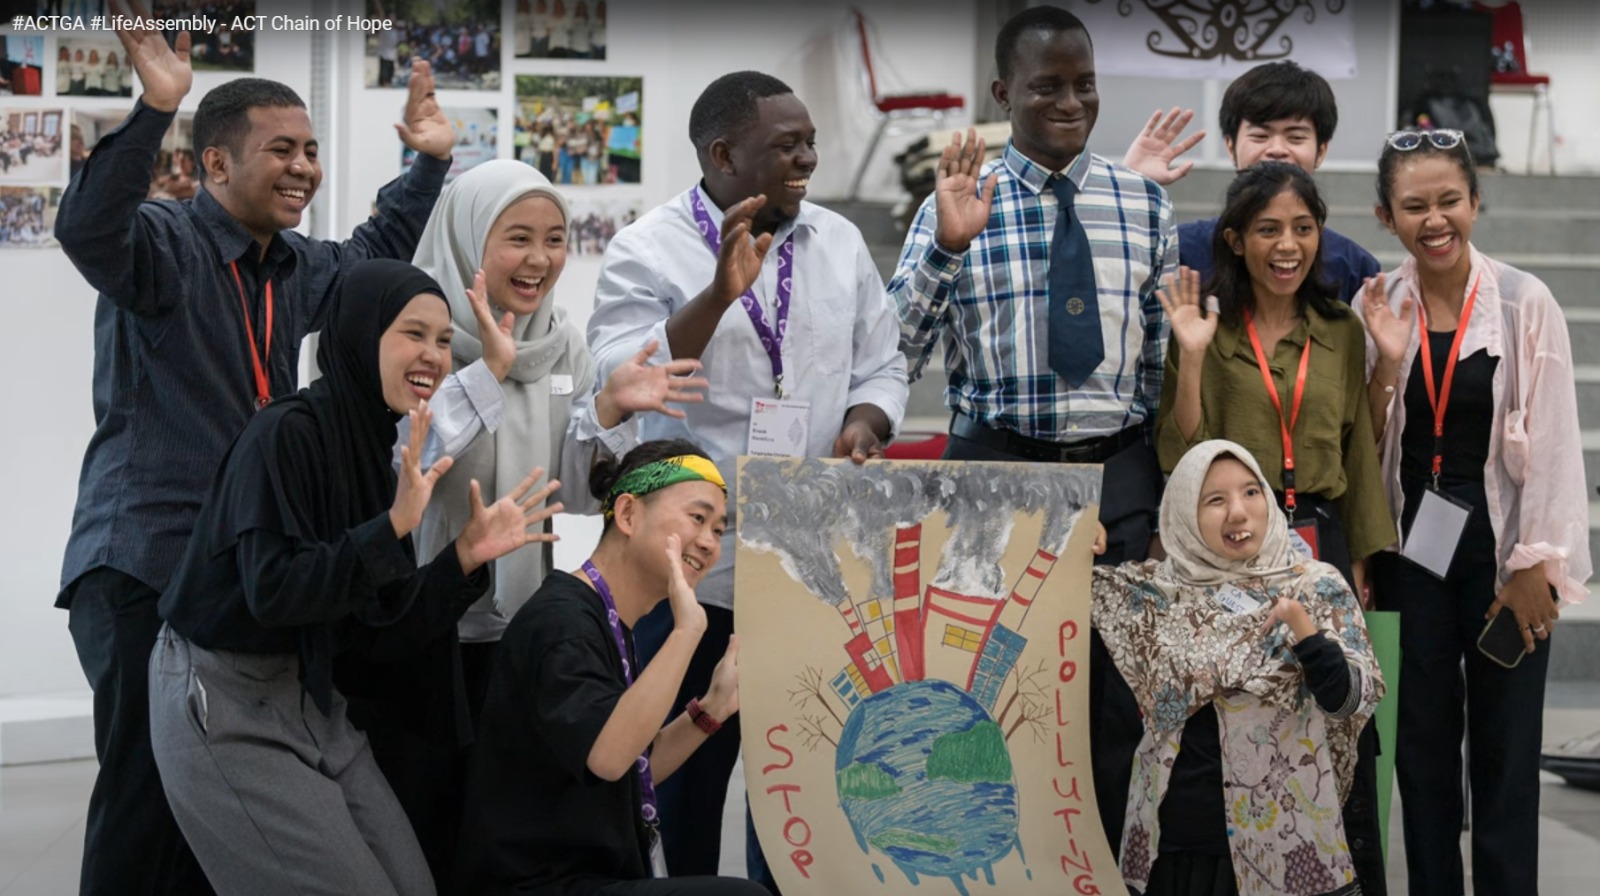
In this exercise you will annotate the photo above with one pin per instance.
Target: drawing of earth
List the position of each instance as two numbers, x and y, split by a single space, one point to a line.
925 778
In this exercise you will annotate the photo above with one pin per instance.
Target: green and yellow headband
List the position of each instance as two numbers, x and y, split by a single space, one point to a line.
655 476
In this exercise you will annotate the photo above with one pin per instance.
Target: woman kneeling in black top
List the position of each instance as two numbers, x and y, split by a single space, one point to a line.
302 550
561 796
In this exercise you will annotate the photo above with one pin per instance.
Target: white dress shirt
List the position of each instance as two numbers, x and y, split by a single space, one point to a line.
841 348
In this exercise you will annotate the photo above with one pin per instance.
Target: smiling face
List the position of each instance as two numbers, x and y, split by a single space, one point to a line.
1051 96
1232 516
1278 246
268 183
774 157
1292 140
697 512
414 353
524 254
1432 210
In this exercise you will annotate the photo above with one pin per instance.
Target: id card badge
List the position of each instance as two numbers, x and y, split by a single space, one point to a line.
1436 532
779 427
658 856
1303 538
1236 600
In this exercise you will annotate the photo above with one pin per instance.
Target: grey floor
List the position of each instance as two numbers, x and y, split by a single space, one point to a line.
41 818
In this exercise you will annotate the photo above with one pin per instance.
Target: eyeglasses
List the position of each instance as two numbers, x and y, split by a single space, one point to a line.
1441 138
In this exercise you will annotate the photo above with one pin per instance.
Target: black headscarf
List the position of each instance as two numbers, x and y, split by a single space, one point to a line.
354 425
308 467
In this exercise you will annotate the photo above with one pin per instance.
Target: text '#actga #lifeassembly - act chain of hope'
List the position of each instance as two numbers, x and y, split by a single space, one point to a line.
202 23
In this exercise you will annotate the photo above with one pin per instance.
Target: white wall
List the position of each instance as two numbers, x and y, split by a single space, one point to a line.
47 412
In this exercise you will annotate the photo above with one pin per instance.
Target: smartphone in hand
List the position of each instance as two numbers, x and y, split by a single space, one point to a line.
1501 640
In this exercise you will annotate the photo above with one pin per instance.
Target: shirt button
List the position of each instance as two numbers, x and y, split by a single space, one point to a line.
1358 844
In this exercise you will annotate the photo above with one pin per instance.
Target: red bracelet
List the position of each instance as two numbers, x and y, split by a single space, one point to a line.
701 718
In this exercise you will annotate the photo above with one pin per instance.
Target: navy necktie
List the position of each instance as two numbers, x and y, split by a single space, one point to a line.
1077 345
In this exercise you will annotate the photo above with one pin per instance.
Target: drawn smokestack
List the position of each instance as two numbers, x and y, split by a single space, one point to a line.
908 601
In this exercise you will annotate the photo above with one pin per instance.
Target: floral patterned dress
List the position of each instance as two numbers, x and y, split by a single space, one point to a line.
1287 763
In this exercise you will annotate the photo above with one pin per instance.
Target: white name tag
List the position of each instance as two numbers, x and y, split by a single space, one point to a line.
1236 600
779 427
1435 532
560 384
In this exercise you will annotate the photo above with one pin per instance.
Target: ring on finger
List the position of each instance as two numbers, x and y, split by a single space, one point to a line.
1537 629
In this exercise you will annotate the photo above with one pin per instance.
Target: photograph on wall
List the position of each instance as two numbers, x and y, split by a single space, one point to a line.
553 29
31 150
176 173
580 130
92 66
459 38
221 50
595 221
918 711
477 133
21 64
28 217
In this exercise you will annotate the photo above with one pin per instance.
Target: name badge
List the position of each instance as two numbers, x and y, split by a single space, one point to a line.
1303 538
560 384
1236 600
658 857
1436 532
779 427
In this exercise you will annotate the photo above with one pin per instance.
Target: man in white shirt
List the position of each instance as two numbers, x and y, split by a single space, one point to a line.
782 304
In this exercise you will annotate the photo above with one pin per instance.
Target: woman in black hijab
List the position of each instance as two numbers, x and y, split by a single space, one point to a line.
303 547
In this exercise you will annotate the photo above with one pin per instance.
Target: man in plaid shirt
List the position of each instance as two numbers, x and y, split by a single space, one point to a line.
1032 378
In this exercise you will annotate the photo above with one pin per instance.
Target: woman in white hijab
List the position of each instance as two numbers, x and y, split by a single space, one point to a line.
1255 661
502 228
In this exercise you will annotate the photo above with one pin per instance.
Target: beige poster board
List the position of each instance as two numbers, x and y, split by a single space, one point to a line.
914 676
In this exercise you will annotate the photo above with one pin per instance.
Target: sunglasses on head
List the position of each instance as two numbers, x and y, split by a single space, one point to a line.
1441 138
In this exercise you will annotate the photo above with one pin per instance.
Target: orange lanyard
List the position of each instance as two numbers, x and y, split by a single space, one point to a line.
263 387
1440 398
1287 429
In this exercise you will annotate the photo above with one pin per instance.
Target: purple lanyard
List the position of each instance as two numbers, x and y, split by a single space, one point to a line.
771 338
647 784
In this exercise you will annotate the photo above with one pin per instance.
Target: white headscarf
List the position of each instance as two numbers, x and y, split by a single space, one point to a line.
1189 560
451 251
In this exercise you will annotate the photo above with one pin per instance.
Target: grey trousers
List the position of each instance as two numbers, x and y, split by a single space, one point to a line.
272 795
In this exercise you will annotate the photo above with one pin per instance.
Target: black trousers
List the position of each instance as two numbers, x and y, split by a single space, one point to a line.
1450 690
132 845
1130 498
691 800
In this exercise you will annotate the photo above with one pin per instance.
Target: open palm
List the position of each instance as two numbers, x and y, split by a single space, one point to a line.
963 211
502 527
1390 332
164 71
637 386
1192 326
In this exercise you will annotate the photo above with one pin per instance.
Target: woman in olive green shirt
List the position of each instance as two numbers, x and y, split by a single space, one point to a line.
1275 310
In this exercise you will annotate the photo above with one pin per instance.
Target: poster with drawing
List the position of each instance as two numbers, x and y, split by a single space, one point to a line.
914 688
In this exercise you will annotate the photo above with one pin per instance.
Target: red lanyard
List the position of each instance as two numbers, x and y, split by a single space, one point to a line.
263 387
1287 429
1440 398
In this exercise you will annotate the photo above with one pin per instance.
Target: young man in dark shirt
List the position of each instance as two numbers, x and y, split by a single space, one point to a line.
1276 112
202 308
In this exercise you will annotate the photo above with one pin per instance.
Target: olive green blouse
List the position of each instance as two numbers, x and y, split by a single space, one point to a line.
1335 453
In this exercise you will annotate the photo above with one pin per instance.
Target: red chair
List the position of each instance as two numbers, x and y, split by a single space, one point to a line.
917 446
1510 44
895 107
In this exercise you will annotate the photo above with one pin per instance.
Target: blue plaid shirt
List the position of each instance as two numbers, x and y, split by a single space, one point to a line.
991 303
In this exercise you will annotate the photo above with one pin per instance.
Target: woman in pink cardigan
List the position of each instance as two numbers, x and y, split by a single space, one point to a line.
1470 368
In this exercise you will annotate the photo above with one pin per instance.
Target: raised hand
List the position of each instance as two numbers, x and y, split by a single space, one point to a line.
499 348
687 614
1390 332
424 128
963 211
722 698
740 258
637 386
1192 326
1153 152
503 526
415 487
164 71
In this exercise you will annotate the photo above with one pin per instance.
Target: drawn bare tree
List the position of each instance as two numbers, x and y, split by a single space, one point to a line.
1029 699
809 692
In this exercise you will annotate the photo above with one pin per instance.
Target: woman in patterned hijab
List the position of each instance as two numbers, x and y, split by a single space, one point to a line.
1255 661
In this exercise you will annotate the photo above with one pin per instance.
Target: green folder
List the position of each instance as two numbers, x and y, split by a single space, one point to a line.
1383 628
